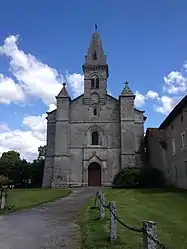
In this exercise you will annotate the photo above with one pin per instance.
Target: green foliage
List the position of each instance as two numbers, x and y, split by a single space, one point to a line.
9 161
37 168
144 177
11 157
128 177
41 152
20 172
4 180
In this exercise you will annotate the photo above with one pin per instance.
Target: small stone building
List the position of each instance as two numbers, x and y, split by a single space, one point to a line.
166 146
90 138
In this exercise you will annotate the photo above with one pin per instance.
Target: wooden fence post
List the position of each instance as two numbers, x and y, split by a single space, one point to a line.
102 208
113 230
2 198
150 228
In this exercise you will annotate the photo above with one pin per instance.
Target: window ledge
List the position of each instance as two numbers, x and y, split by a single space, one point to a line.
95 146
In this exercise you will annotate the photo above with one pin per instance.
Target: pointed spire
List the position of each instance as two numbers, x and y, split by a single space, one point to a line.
63 93
127 91
95 53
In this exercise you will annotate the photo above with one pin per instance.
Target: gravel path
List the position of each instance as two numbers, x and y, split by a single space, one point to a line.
49 226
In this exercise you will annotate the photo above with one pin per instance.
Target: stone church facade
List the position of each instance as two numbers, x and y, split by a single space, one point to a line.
90 138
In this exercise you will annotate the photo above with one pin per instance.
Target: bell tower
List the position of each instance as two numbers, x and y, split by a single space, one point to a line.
95 70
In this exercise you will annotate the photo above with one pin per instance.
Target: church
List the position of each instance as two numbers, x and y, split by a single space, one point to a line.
90 138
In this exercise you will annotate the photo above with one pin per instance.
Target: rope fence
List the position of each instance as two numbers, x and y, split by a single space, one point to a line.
148 228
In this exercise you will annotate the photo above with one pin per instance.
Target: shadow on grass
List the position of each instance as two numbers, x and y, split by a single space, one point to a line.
162 190
169 189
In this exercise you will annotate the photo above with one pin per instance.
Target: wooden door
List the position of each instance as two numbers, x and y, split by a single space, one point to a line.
94 174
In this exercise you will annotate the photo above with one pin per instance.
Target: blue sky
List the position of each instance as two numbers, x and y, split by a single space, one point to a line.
145 42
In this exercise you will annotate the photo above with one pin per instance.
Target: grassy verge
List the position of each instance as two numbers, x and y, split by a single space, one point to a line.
27 198
166 208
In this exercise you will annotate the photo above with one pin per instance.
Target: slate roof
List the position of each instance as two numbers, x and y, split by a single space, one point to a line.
63 93
126 90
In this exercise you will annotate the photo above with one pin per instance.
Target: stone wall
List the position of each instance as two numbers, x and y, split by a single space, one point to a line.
138 128
172 165
50 150
176 163
156 154
81 150
132 132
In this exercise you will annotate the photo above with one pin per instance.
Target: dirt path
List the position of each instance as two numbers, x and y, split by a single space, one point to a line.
49 226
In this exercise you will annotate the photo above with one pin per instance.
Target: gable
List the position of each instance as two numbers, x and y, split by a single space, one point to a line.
111 98
77 98
158 135
174 113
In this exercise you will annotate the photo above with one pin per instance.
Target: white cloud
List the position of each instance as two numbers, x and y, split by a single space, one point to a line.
10 91
185 66
4 127
166 104
139 99
37 79
51 107
36 123
152 95
25 141
175 83
34 77
76 83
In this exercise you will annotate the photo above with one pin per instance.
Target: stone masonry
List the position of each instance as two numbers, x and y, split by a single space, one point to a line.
90 138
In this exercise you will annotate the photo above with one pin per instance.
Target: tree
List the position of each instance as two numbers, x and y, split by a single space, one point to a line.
9 160
37 169
22 173
15 168
41 152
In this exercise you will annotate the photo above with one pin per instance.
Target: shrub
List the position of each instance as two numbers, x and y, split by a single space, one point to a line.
139 177
128 177
152 178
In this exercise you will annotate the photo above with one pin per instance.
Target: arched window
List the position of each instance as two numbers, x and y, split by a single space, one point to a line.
94 56
92 83
97 82
95 111
95 138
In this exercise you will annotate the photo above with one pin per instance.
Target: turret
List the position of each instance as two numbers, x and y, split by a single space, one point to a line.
127 103
61 159
63 102
127 127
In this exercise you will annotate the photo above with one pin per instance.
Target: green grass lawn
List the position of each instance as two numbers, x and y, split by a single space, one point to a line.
26 198
168 209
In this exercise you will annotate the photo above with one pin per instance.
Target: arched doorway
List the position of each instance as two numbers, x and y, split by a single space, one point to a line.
94 174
